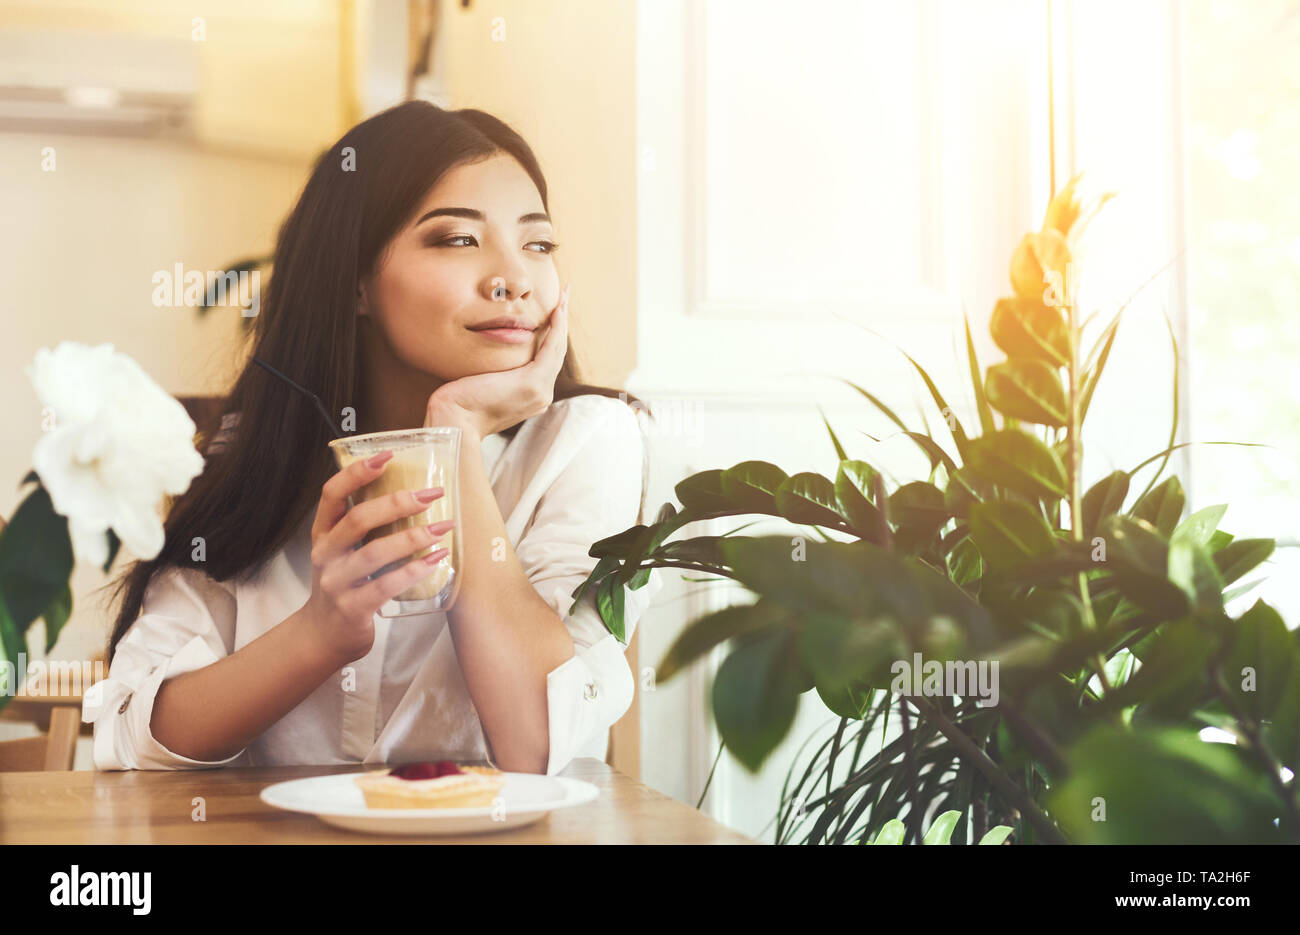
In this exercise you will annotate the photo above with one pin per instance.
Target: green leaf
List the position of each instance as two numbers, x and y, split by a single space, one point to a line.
849 578
756 694
920 506
1093 374
56 615
891 832
35 559
1028 389
1219 540
847 653
933 451
603 567
1028 328
996 835
839 449
646 541
1173 676
889 413
11 645
941 831
1010 533
1165 452
1104 498
854 493
1163 787
751 486
114 543
977 382
964 562
1173 427
964 488
927 445
619 545
702 493
1048 609
1139 558
1200 526
1262 674
851 700
808 498
1191 568
704 550
702 635
1237 559
1018 461
949 414
609 601
1162 506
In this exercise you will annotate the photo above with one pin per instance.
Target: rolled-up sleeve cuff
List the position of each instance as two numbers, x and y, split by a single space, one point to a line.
121 710
586 695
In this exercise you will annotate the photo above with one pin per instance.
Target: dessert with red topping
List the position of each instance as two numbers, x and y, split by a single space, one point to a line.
442 784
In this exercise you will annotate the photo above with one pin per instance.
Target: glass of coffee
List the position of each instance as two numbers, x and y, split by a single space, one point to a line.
426 457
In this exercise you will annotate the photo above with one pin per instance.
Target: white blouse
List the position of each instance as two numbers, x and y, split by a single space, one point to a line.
570 476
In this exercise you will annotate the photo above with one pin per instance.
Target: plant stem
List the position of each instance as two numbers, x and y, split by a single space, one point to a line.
998 779
1036 739
709 781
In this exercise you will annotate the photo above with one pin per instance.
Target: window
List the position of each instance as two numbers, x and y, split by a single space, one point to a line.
1242 134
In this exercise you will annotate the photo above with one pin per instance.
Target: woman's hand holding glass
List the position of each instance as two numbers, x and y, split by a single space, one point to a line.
343 602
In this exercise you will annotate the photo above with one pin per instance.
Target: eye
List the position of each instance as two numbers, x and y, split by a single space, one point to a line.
547 246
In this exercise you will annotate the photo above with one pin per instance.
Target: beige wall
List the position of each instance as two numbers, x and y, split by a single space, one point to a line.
79 245
562 73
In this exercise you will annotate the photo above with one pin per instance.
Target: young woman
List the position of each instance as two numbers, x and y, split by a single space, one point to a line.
253 637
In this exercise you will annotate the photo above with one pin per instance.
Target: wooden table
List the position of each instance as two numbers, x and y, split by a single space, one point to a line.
155 807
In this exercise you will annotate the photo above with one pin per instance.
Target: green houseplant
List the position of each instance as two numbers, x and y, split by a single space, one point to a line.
1100 604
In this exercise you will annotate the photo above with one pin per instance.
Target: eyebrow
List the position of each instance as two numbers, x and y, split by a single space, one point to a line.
472 215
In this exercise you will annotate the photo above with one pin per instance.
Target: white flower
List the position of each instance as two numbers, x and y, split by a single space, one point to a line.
118 443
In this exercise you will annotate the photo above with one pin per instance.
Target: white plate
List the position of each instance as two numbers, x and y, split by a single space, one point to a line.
336 800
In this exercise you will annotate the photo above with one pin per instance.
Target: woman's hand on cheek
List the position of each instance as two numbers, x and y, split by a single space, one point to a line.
486 403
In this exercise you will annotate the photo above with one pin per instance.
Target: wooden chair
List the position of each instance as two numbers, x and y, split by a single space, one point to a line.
205 411
56 749
59 716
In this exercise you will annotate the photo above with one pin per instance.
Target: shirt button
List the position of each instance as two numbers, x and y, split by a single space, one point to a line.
590 691
122 709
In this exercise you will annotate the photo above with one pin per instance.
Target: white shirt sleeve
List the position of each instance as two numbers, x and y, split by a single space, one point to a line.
187 621
596 495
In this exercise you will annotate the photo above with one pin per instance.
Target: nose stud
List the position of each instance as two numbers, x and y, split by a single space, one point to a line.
499 291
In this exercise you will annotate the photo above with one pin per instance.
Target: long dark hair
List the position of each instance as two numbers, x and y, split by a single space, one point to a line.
245 504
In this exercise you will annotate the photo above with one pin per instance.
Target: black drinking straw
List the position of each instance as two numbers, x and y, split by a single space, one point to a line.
320 406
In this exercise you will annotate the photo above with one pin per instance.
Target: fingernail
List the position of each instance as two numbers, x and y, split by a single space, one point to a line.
435 557
427 495
379 459
440 527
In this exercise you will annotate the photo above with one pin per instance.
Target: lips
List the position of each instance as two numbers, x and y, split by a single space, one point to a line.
504 321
